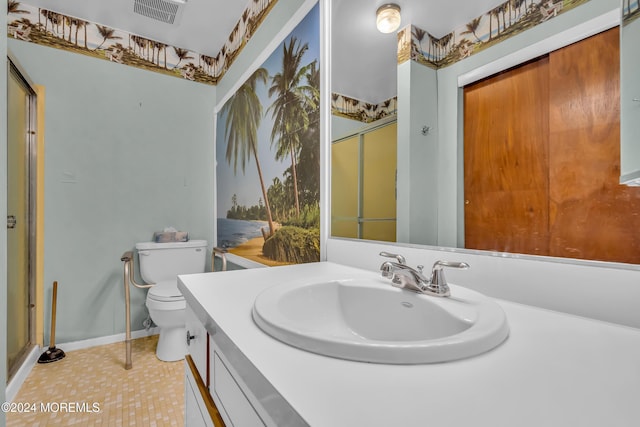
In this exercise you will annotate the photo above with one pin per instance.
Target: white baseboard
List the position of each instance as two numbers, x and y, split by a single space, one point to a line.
13 387
23 372
110 339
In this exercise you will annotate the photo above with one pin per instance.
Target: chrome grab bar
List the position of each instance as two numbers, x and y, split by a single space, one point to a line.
128 277
127 257
222 253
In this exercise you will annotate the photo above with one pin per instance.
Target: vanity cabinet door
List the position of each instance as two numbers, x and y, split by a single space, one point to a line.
199 407
231 400
195 414
197 344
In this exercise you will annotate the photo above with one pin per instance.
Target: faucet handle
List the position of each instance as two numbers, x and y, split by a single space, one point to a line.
450 264
398 257
387 270
437 274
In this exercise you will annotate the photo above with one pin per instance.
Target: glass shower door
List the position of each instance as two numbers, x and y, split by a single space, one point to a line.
20 120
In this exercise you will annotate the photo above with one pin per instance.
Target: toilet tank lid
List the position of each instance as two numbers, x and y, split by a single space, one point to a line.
146 246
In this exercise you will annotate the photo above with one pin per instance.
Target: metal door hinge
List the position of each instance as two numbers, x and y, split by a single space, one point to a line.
11 221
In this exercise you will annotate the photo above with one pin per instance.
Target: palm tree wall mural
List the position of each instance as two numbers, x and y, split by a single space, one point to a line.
53 29
270 213
289 108
244 114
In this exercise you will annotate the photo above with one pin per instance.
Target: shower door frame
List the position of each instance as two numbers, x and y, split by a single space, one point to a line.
31 148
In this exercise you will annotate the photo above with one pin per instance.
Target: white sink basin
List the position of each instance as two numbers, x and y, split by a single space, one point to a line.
369 320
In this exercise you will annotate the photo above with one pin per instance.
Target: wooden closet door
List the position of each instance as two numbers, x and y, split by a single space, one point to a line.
592 216
505 161
542 158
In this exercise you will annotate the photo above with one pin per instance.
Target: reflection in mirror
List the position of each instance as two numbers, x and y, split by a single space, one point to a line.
630 93
541 174
364 202
564 199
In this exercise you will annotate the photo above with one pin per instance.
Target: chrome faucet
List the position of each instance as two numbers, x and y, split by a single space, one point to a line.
406 277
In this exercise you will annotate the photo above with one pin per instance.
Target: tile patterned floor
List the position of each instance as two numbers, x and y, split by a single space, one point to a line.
150 394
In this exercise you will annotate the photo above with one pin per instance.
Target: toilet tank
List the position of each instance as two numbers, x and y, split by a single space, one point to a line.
164 261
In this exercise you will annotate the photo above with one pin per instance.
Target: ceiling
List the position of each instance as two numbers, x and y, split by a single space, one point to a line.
363 60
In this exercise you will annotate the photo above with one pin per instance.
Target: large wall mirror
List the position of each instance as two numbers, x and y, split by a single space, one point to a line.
482 163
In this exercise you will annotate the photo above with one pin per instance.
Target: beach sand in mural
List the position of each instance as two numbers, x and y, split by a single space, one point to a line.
252 250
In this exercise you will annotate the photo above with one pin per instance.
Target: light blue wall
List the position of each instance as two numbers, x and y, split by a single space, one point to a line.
127 152
416 209
630 90
342 127
3 204
450 102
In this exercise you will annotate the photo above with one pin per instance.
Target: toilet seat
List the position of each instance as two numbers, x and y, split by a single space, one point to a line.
165 291
165 296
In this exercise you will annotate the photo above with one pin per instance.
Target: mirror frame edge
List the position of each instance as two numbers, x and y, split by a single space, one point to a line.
325 126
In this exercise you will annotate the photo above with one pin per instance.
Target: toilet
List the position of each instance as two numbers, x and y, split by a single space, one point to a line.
161 263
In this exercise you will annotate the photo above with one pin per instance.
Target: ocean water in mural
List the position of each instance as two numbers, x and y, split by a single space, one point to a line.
235 232
268 155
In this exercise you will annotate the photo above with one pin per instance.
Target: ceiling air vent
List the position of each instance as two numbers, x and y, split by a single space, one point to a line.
167 11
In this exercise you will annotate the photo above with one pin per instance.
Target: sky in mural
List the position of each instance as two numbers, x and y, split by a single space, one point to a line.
246 186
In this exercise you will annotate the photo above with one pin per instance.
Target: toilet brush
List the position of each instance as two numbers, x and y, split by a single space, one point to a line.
52 354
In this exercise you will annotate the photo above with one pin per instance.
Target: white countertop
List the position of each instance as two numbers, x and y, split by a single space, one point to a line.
553 370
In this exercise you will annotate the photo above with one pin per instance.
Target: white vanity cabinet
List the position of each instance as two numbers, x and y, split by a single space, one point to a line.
554 369
197 341
199 407
213 395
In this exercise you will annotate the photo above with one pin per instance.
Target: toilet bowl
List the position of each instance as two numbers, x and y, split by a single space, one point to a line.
161 263
168 313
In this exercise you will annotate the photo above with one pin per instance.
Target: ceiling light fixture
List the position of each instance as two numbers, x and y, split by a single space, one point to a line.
388 18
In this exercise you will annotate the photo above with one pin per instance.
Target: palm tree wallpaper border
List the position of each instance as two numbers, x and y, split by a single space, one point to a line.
630 11
268 155
500 23
52 29
354 109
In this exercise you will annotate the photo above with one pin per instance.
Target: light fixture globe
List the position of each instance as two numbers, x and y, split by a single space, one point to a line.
388 18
